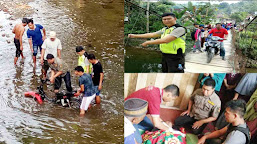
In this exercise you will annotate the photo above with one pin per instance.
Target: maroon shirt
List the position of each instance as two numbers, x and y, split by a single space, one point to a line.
150 94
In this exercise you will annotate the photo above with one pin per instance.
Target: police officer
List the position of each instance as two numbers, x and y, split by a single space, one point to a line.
204 107
172 43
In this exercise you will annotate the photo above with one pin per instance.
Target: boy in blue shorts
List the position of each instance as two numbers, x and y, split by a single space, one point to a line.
35 38
86 87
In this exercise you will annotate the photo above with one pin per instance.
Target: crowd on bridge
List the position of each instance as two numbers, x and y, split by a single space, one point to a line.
172 41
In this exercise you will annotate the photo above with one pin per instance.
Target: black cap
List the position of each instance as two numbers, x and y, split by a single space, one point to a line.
135 107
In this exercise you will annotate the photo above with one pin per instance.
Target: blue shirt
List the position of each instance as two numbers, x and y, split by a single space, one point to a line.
36 35
129 139
89 88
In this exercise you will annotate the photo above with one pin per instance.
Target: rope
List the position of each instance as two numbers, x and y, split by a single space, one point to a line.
132 29
139 7
152 12
250 22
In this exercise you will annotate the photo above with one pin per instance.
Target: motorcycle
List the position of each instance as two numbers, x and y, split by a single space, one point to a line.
212 47
68 99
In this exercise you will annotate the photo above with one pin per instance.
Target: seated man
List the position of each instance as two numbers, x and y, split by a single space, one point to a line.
204 107
154 96
237 132
134 112
59 71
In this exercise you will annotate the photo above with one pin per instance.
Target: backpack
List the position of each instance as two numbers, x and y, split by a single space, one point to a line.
193 34
241 129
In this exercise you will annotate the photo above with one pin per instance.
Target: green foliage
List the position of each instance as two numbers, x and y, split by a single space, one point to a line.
238 11
186 16
246 43
238 16
137 17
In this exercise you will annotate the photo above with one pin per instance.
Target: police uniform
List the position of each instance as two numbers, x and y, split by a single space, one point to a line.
173 58
203 107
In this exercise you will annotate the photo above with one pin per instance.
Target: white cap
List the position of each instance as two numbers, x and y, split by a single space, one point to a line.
52 34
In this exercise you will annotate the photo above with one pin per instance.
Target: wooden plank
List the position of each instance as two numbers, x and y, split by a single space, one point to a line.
189 90
196 67
126 83
141 80
132 83
197 62
168 79
182 87
160 79
151 77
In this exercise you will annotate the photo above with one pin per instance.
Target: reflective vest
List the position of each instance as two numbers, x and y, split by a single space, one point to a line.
81 62
173 46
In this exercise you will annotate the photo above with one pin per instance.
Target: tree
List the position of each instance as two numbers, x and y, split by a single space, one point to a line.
238 16
223 5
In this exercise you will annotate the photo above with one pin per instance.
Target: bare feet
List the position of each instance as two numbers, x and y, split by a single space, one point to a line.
82 112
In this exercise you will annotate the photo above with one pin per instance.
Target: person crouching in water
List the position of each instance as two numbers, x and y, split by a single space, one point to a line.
86 87
59 71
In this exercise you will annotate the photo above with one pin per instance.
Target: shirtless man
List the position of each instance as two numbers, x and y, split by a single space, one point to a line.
18 30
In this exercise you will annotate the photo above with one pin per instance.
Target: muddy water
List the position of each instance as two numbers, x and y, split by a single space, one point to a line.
95 24
142 60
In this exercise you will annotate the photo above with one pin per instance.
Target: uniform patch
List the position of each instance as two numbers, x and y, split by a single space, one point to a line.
218 111
210 102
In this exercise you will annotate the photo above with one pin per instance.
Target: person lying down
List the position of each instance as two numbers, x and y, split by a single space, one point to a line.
170 136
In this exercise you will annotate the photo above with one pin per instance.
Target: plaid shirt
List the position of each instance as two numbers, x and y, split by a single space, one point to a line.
89 88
